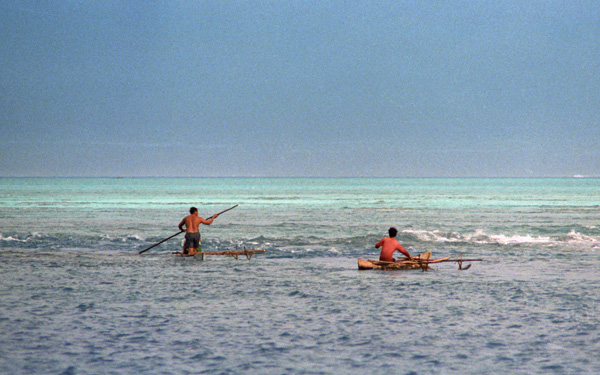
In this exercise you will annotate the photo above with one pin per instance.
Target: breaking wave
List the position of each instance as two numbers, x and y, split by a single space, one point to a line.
479 237
304 246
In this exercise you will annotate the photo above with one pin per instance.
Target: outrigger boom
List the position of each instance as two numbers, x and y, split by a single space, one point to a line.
460 262
234 253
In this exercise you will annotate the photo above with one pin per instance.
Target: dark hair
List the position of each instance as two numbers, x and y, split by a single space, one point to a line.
193 209
393 232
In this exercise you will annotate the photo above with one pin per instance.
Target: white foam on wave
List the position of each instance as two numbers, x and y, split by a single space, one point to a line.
133 237
573 236
32 236
11 239
519 239
127 238
482 238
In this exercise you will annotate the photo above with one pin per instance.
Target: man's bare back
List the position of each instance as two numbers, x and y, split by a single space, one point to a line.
389 245
192 223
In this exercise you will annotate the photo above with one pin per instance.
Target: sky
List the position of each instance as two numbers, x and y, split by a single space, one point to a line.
300 88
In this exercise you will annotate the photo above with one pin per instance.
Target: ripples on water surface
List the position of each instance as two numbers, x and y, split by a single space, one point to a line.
75 298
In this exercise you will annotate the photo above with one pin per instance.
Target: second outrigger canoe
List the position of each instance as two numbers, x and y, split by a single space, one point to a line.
233 253
421 261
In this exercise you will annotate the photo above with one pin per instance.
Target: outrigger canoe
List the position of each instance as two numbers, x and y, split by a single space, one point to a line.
233 253
421 261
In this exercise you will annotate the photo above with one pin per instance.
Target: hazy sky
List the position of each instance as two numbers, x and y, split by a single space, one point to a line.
299 88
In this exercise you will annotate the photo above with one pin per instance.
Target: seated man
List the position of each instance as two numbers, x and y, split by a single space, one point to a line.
389 245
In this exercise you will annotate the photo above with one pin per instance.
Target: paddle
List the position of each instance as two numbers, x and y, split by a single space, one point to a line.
178 233
158 243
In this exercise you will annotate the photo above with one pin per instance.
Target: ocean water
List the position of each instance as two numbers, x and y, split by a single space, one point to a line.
76 298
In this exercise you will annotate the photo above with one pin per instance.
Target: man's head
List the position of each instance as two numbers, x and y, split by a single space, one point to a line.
393 232
193 209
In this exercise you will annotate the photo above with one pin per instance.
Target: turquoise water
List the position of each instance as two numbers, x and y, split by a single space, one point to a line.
76 298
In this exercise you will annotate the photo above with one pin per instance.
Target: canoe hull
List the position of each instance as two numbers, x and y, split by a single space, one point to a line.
421 261
379 265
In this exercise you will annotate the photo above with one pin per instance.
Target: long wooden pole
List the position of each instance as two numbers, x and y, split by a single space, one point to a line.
158 243
222 212
451 260
417 260
178 233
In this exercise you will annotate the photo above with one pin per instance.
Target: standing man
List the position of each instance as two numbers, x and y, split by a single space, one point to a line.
192 232
389 245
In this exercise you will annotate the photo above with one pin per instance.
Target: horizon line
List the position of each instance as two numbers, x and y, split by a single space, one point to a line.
290 177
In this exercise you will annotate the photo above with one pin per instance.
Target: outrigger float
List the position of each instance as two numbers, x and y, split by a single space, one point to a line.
421 261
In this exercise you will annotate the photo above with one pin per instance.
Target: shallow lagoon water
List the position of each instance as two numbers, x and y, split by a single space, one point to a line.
77 299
